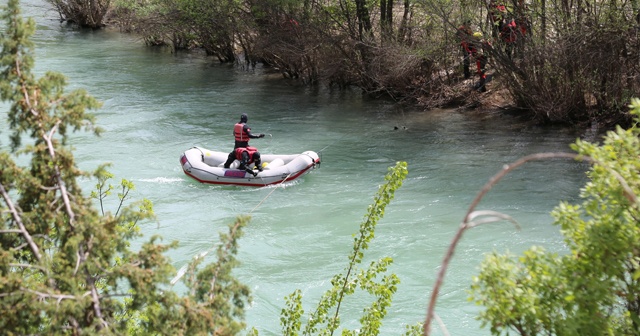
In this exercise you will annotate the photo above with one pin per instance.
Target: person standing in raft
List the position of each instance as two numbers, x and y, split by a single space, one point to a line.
246 156
242 133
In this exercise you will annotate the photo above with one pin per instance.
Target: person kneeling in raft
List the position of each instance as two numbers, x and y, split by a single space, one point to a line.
246 156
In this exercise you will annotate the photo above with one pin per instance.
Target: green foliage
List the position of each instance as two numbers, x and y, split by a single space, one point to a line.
325 320
414 330
594 289
66 268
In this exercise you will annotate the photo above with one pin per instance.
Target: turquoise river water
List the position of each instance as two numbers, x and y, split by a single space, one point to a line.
158 104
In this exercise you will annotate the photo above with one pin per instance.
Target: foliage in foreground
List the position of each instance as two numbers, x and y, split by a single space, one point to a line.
67 267
594 289
64 267
325 319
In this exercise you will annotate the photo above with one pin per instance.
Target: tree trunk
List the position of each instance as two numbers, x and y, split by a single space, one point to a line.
402 30
364 21
386 19
543 24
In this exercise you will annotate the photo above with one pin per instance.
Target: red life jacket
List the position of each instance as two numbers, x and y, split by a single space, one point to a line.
522 26
471 48
497 13
464 34
250 150
508 31
239 133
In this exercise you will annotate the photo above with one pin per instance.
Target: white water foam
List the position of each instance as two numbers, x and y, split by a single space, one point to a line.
162 180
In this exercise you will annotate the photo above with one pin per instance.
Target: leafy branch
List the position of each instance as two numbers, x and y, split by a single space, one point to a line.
327 312
471 217
594 288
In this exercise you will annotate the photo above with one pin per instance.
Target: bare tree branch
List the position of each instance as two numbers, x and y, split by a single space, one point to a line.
10 231
18 219
28 266
58 297
96 303
58 176
471 213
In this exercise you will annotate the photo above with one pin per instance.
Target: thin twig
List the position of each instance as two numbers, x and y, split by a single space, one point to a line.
467 221
53 296
227 248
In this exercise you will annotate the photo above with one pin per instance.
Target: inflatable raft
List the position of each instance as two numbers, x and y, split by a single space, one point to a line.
207 166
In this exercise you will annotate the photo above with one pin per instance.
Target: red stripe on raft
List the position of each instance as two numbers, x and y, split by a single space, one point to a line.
291 178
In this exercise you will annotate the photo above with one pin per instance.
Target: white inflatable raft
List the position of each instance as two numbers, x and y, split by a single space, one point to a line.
207 166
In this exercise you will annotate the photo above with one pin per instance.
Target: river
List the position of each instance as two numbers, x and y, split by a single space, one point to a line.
158 104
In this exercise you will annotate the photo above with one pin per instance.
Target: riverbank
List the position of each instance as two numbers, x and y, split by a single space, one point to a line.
498 99
461 95
464 95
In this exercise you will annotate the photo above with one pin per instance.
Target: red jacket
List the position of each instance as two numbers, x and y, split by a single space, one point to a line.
239 133
508 31
249 150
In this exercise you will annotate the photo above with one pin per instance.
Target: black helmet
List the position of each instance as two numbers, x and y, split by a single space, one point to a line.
244 117
256 156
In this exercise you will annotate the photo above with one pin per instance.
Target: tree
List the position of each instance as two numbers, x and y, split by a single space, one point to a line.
563 62
66 268
386 18
85 13
593 288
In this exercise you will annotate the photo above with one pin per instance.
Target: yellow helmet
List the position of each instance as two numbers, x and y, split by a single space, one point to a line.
477 35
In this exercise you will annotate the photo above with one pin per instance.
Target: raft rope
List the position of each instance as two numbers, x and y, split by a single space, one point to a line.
183 270
269 194
279 184
329 145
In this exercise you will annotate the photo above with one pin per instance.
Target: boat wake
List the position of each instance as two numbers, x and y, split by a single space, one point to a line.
162 180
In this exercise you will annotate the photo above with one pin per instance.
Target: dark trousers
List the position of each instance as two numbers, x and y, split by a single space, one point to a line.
481 64
244 162
466 62
230 159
